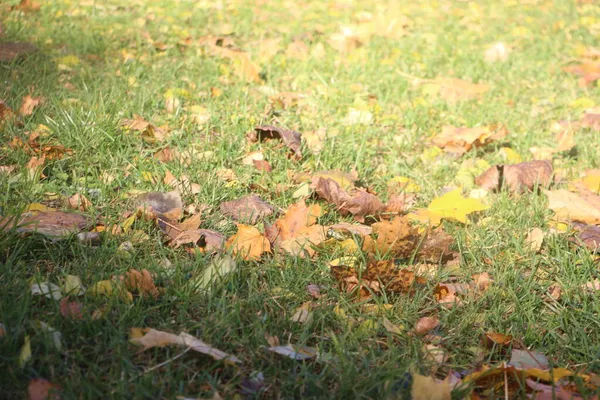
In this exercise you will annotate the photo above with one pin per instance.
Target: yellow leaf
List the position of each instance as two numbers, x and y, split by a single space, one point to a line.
592 180
453 206
429 388
510 156
25 354
404 184
248 242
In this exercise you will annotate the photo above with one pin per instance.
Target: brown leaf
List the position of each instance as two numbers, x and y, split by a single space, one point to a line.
55 224
358 202
207 240
292 139
454 90
140 282
460 140
393 279
28 105
535 239
78 202
396 237
249 209
41 389
591 119
11 51
28 6
156 204
481 281
35 167
155 338
354 229
517 177
583 207
589 71
149 132
492 339
71 309
262 165
399 203
426 324
248 242
436 247
314 140
589 235
449 294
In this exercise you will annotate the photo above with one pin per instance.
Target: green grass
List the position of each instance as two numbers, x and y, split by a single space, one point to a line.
85 103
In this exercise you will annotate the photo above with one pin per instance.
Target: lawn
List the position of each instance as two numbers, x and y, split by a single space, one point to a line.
380 261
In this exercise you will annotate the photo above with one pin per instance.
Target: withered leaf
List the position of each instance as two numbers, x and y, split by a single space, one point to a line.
10 51
292 139
206 239
588 71
426 324
358 202
54 224
589 235
396 237
71 309
41 389
159 203
436 247
249 209
591 119
460 140
449 294
140 282
517 177
583 207
155 338
28 105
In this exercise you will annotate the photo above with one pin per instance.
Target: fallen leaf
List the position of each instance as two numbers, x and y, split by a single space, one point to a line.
249 209
358 202
292 139
28 6
71 309
35 168
591 180
449 294
454 90
303 315
11 51
525 359
591 119
460 140
517 177
55 224
262 165
495 339
429 388
314 291
46 289
216 271
28 105
157 204
393 328
248 243
497 52
149 132
41 389
207 240
140 282
588 235
481 282
426 324
535 239
571 206
435 354
396 237
25 352
155 338
72 286
78 202
588 71
299 353
314 139
453 207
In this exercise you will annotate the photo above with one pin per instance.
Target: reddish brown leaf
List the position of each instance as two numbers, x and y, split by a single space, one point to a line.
78 202
10 51
517 177
436 247
53 224
262 165
589 235
249 209
358 202
41 389
292 139
71 309
589 71
426 324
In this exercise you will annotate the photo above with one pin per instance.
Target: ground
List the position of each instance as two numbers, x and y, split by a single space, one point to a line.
368 86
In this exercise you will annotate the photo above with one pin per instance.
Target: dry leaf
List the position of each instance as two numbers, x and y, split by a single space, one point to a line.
591 119
155 338
149 132
249 209
589 71
299 353
396 237
517 177
292 139
28 105
207 240
498 52
535 239
454 90
78 202
591 180
448 294
481 282
71 309
429 388
571 206
140 282
314 140
460 140
55 224
41 389
358 202
589 235
248 243
167 205
11 51
262 165
426 324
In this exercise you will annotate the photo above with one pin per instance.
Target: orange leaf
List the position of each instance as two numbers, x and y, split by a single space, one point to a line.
248 242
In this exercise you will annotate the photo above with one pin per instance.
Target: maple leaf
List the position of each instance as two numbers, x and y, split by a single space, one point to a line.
517 177
453 207
397 237
249 209
358 202
149 338
292 139
248 242
460 140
